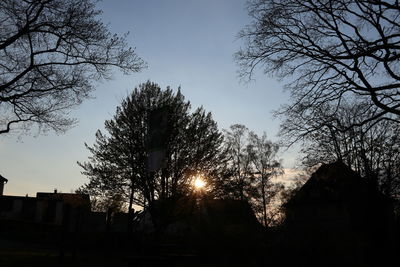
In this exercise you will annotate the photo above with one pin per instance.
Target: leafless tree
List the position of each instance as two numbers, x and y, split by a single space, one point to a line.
329 50
237 148
263 154
251 164
50 52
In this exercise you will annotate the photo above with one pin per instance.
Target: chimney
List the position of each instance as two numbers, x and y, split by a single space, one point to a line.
2 182
55 191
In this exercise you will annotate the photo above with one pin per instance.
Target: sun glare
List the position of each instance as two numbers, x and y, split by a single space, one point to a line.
199 183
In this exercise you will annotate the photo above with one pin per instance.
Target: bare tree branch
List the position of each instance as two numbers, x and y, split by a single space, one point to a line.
331 50
50 52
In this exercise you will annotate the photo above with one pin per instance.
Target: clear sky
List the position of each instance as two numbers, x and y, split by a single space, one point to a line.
187 43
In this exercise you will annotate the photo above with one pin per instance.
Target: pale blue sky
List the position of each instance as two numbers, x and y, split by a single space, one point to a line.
187 43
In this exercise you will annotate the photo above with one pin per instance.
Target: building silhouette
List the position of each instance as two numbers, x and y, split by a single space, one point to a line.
2 182
340 216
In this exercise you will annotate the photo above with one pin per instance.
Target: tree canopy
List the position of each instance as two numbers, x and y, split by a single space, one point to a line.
50 52
328 51
251 163
119 160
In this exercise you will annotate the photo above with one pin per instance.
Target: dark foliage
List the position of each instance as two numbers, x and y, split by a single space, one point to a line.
119 161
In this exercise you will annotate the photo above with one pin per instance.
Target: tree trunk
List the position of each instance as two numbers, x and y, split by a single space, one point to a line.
264 200
130 210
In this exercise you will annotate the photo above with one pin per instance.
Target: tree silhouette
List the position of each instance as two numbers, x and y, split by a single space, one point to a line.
263 155
50 51
251 164
332 50
119 160
239 163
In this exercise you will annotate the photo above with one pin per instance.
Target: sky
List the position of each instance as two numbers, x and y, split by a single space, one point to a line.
186 43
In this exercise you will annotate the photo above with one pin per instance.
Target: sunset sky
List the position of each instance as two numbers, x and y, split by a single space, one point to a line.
187 43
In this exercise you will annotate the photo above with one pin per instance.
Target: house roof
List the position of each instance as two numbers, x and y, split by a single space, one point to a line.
3 180
332 182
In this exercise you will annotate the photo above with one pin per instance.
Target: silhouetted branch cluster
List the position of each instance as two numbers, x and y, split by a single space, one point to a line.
119 159
331 50
251 164
50 51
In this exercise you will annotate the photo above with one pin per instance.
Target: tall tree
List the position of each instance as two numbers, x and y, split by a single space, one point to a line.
263 154
119 161
330 50
238 151
251 164
50 52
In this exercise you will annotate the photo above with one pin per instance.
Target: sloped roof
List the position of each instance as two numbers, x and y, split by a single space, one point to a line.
332 182
3 180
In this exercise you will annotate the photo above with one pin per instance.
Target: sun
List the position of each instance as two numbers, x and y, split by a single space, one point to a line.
199 183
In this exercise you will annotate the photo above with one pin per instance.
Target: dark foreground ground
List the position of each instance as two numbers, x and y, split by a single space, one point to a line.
121 249
23 253
275 247
118 251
